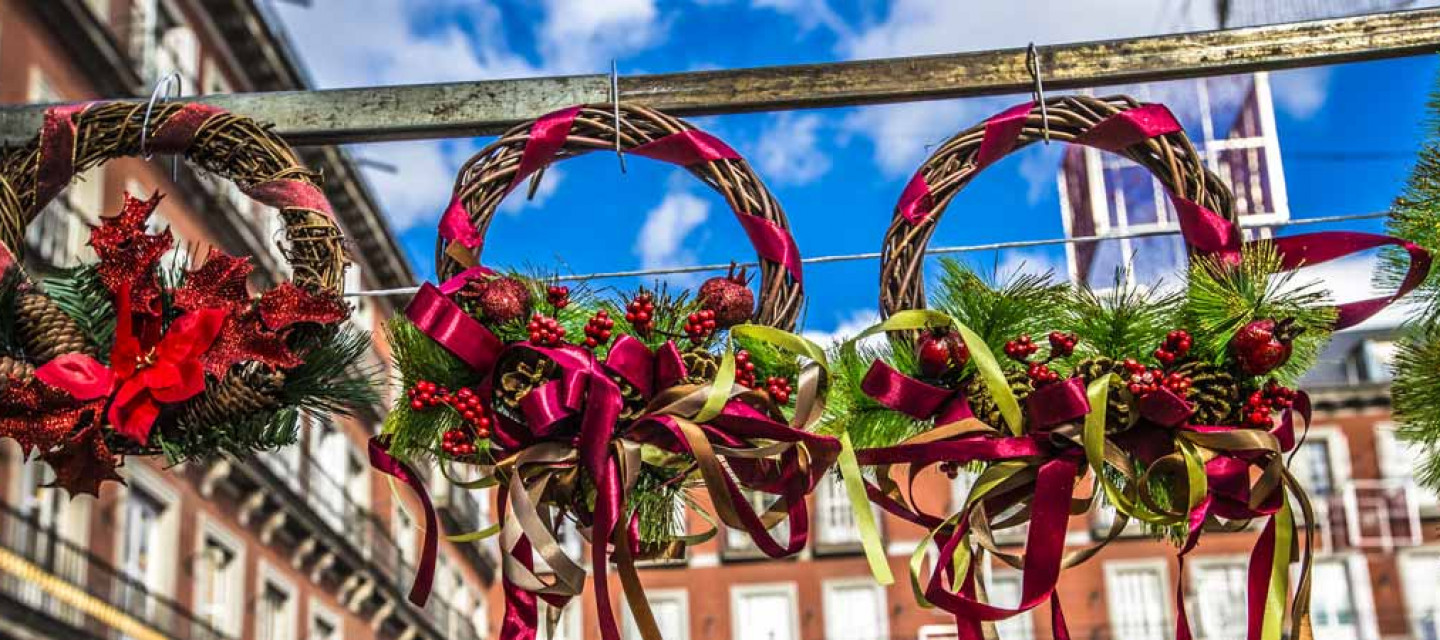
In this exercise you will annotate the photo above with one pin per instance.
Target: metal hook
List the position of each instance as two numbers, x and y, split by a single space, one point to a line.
615 101
169 83
1032 64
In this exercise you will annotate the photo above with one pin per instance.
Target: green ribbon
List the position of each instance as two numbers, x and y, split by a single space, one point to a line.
1275 600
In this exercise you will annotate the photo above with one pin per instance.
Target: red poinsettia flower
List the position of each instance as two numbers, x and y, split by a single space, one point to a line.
145 372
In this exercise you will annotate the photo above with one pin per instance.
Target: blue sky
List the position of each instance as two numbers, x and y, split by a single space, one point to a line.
837 172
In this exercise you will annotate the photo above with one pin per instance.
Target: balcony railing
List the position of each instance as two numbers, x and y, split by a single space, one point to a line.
76 567
329 499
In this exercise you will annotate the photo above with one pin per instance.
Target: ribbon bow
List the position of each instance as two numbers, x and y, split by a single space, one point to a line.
146 371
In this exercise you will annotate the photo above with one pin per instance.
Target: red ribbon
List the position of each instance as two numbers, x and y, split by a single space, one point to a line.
446 323
382 461
919 400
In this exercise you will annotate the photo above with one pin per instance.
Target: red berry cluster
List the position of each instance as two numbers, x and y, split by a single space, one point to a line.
598 329
1176 346
779 389
545 331
1020 349
640 313
1265 400
700 326
1041 374
458 443
1062 344
425 395
559 296
1147 381
744 369
468 403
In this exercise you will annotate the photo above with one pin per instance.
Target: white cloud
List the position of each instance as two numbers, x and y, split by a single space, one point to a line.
1351 279
847 326
789 151
417 192
903 134
661 242
810 14
584 35
1040 167
1301 92
518 201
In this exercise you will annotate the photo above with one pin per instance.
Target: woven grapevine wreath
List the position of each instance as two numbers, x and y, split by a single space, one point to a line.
131 355
1175 407
601 412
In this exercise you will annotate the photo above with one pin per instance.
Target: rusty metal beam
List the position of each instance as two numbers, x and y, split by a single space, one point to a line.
486 107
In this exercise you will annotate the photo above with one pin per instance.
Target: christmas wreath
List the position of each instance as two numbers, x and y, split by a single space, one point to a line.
1177 407
134 356
605 412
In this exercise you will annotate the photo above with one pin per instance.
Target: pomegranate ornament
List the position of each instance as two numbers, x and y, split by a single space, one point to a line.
940 352
729 296
1264 345
504 300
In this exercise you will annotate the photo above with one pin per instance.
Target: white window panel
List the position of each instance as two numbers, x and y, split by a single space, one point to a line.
363 313
671 608
1220 604
219 578
855 610
1004 590
567 625
835 517
1418 571
1322 463
1138 597
1398 460
275 615
1333 610
738 540
330 464
764 612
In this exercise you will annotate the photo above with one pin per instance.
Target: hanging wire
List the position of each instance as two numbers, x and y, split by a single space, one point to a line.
934 251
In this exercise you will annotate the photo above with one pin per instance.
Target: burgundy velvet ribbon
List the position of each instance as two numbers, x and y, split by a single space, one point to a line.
1315 248
446 323
685 149
1058 403
919 400
57 153
381 460
177 133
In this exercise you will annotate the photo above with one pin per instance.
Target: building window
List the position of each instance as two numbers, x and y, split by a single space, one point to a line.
1398 460
139 548
275 611
671 609
855 610
404 534
1004 591
59 236
219 580
1314 467
324 624
1220 601
1138 597
836 518
1342 609
567 622
1422 600
765 611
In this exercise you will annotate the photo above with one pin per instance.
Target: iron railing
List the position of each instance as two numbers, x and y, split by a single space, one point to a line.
23 535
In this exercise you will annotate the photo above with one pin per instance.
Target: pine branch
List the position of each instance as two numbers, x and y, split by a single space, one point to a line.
1413 217
1415 392
1221 298
849 410
1025 303
1122 321
81 295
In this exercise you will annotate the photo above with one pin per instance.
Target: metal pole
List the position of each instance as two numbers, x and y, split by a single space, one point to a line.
336 116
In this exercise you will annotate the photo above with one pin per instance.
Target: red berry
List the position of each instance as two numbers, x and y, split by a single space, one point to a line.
1062 344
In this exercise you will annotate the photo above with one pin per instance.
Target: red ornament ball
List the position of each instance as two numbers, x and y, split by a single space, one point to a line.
729 297
940 352
504 300
1263 345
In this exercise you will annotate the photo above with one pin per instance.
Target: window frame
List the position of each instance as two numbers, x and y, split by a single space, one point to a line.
1113 568
738 592
830 586
678 594
211 528
271 575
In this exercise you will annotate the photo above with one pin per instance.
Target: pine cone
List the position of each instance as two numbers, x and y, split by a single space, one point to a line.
522 379
1213 392
632 401
700 366
234 396
15 368
983 405
1117 402
45 330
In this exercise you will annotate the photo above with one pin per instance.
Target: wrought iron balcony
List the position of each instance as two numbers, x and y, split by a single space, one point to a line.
65 590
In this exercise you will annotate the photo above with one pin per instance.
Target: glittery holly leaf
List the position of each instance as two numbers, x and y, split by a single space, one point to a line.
83 463
39 417
219 283
128 255
245 339
289 304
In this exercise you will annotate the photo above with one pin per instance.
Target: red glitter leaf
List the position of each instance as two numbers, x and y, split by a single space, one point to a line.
84 463
128 255
288 304
245 339
219 283
38 416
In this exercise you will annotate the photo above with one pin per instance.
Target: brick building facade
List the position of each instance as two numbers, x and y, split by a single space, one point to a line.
303 543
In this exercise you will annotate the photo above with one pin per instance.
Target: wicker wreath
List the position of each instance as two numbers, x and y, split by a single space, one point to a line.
1171 157
490 175
233 147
